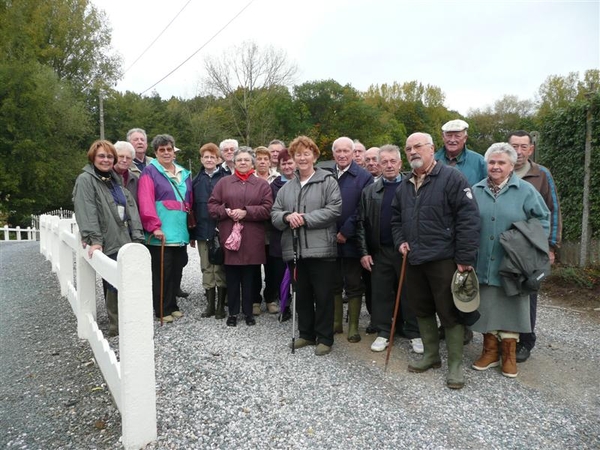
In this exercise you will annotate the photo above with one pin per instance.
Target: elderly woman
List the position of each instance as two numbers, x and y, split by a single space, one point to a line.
213 276
306 210
106 215
125 155
245 199
164 197
503 199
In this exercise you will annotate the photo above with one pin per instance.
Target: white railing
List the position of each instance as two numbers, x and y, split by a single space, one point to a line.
131 379
30 233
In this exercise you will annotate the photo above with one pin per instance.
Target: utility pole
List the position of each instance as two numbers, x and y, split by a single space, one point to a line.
585 219
101 112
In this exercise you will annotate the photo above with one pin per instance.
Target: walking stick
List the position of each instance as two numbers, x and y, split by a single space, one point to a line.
295 280
162 276
396 306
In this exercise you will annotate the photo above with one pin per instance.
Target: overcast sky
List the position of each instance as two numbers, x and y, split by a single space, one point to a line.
475 51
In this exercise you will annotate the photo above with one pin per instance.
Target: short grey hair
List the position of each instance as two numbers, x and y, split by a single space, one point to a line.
248 150
124 145
136 130
501 147
341 139
389 148
227 142
278 142
161 140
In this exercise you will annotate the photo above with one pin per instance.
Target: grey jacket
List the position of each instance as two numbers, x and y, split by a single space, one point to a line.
97 216
321 203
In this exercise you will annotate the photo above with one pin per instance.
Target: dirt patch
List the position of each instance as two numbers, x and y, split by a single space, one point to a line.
564 295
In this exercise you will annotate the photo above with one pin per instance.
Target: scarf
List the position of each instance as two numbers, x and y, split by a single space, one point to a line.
244 176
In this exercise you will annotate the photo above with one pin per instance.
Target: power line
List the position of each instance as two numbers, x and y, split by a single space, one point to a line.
157 37
201 47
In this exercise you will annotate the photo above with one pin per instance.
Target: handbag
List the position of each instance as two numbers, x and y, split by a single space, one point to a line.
215 252
191 217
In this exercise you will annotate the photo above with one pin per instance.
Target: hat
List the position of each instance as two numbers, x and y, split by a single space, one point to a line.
455 125
465 291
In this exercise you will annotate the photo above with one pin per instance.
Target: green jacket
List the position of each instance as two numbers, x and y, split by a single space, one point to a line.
97 216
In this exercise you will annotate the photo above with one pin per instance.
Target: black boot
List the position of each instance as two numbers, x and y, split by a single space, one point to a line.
112 309
210 303
221 296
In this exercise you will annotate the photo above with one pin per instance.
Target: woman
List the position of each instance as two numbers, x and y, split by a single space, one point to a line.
306 210
125 155
213 276
503 199
164 197
106 215
246 199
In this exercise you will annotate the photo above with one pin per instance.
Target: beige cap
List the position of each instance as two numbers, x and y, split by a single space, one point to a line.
455 125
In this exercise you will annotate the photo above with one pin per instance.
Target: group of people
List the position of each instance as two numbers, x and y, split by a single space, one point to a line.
340 232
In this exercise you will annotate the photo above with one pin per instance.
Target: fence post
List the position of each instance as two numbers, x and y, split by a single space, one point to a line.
86 292
43 231
136 346
65 258
54 221
6 236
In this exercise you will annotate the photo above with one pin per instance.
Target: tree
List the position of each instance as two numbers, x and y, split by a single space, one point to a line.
560 91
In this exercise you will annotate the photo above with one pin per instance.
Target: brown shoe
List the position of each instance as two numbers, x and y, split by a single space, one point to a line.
509 358
272 308
256 309
490 356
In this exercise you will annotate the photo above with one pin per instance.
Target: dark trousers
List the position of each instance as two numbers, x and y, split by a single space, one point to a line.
527 340
274 270
366 277
314 299
256 284
385 278
174 260
349 277
185 261
428 290
244 277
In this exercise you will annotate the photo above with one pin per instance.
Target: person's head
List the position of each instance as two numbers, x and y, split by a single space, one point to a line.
275 146
137 137
263 160
372 161
209 156
359 153
419 151
286 164
164 148
343 149
500 159
125 155
228 148
523 144
305 153
454 134
243 159
102 155
390 161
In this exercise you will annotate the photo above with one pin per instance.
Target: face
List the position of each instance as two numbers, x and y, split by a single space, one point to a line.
304 159
243 162
454 141
209 161
140 144
359 154
123 161
523 148
274 149
390 163
165 155
287 167
343 153
499 167
104 160
372 162
263 163
227 153
418 151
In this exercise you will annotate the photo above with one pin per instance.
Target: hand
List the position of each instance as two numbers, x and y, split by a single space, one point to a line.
367 261
463 268
92 248
341 239
552 256
296 220
158 234
404 248
192 243
237 214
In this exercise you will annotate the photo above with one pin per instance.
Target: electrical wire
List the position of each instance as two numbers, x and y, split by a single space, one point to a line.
201 47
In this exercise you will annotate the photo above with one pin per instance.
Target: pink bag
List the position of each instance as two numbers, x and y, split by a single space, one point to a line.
235 238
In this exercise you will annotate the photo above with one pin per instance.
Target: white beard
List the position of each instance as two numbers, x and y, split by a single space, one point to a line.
416 163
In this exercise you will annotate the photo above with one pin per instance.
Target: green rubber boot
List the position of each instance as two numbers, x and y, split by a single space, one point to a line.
338 314
210 303
354 305
431 343
454 343
112 309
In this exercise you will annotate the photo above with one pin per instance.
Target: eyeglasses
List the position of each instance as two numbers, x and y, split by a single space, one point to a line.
417 147
103 156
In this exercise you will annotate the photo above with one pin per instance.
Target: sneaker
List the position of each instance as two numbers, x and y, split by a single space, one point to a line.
301 342
177 314
523 353
380 344
272 308
166 319
417 345
322 350
256 309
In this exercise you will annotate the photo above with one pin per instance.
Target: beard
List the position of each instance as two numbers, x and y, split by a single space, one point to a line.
416 163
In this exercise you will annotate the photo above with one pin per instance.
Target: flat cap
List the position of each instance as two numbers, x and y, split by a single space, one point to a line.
455 125
465 291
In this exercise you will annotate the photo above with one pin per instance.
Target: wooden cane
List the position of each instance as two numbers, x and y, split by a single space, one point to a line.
396 307
162 276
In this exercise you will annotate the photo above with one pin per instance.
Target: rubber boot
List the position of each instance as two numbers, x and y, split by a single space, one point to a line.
454 343
112 309
221 297
509 358
210 303
431 344
354 305
490 357
338 314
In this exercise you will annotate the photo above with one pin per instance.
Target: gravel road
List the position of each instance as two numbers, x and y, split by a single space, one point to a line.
232 388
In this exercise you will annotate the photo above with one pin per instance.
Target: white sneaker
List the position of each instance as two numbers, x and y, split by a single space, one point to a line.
417 345
380 344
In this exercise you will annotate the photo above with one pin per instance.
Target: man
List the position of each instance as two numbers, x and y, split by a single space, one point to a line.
228 147
275 146
352 179
379 256
455 152
359 153
372 162
137 137
123 167
435 224
541 178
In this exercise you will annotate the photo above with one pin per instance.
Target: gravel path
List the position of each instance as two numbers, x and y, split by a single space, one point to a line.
231 388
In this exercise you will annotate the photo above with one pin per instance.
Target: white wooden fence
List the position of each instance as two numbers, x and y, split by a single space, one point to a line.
30 233
131 379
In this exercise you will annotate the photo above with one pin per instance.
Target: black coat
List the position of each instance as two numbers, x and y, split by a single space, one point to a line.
202 186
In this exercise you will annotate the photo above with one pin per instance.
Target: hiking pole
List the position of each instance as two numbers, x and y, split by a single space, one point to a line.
396 307
295 280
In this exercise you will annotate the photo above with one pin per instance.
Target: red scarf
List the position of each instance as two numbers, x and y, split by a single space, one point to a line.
244 176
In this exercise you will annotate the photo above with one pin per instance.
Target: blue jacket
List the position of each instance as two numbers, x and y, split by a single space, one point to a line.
470 163
202 186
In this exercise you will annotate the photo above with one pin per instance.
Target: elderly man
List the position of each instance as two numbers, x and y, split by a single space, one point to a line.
137 137
372 162
352 179
455 152
541 178
380 257
275 146
228 147
359 153
435 224
123 166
